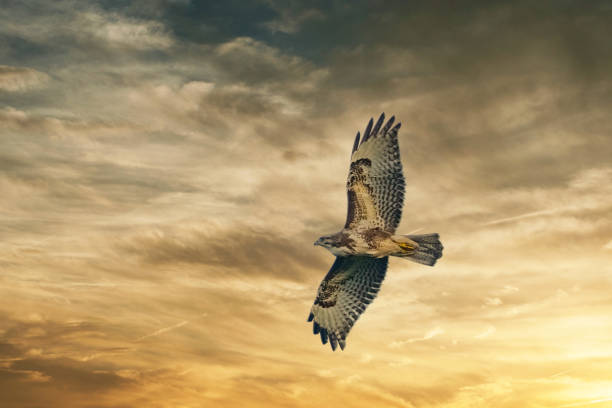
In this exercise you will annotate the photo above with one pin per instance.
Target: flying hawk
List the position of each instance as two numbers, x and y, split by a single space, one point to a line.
375 189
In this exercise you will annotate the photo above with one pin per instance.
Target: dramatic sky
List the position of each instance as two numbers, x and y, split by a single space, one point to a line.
166 166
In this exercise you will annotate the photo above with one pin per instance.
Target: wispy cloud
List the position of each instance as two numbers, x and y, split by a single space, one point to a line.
164 160
19 79
429 335
163 330
127 32
523 216
585 403
486 333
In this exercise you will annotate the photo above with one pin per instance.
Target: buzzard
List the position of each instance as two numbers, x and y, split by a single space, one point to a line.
362 248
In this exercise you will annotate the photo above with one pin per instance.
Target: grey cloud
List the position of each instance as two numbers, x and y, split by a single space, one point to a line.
472 41
238 250
56 164
291 20
124 32
180 158
59 185
449 78
82 24
19 79
255 62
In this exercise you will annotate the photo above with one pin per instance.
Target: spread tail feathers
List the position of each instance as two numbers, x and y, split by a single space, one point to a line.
427 251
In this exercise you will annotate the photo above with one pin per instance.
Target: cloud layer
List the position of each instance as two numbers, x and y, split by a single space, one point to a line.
166 166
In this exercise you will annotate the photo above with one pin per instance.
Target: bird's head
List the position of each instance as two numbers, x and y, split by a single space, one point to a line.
326 241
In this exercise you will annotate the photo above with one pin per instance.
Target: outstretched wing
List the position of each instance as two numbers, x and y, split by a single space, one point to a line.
345 292
375 184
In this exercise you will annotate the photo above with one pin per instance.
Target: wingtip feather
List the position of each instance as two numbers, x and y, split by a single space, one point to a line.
332 341
366 134
323 336
356 144
388 125
333 324
379 123
396 128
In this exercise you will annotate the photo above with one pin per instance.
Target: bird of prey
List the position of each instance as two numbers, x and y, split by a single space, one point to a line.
362 248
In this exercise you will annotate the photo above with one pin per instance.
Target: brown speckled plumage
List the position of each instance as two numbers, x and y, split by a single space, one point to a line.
375 190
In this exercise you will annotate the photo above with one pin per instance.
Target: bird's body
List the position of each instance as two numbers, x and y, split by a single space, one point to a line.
371 242
375 188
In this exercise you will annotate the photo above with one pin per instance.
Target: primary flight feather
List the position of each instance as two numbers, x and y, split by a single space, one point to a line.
375 189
